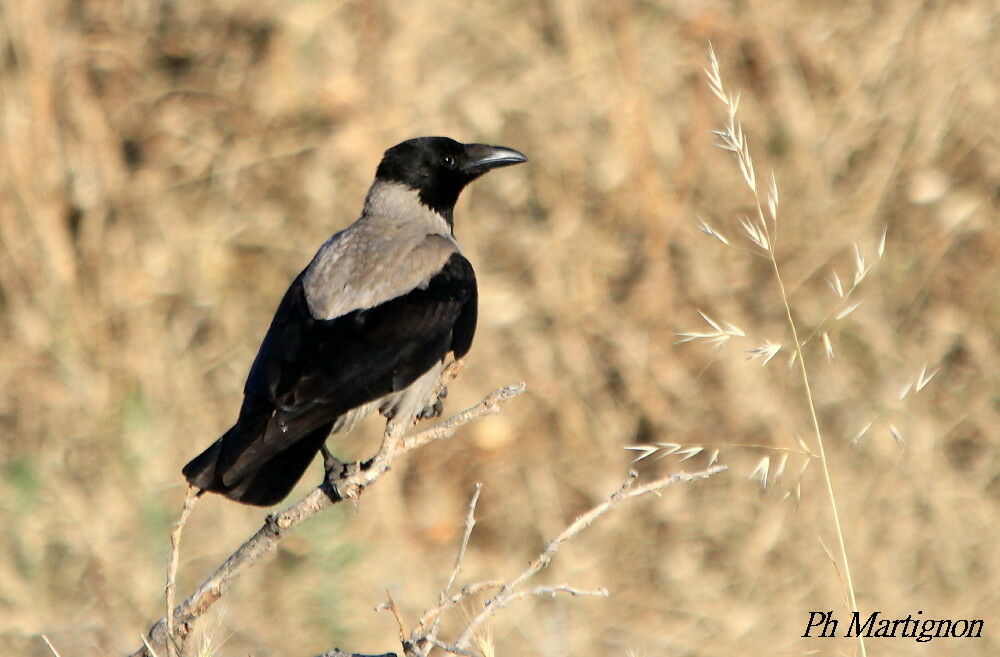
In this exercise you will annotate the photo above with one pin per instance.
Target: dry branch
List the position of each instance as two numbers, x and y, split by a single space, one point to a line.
424 636
175 551
350 482
339 653
509 592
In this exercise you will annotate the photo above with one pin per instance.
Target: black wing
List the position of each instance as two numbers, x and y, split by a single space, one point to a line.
309 372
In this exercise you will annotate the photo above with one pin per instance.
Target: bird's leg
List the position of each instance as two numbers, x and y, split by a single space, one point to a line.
435 406
336 471
332 466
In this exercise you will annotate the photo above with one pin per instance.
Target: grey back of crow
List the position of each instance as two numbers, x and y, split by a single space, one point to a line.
367 324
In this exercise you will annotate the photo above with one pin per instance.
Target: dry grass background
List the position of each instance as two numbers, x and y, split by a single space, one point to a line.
168 167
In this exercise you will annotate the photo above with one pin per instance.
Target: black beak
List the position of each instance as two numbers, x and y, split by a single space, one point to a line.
480 158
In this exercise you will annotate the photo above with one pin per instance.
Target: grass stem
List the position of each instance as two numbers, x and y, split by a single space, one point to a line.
849 581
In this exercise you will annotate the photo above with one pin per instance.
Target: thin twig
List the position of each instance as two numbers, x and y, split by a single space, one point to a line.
423 638
390 605
453 649
175 548
52 648
350 483
339 653
509 592
551 591
470 522
466 591
145 642
443 597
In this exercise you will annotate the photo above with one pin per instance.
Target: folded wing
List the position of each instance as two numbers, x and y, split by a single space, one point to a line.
310 372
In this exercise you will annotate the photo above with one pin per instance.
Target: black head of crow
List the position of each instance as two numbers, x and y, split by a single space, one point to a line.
367 325
438 168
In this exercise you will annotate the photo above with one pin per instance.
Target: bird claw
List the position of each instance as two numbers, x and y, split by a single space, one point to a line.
333 467
432 410
336 473
435 408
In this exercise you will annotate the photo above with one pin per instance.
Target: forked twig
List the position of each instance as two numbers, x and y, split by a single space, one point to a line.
424 635
350 483
509 592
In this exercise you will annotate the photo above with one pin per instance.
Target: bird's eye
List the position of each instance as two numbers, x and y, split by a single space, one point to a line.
449 161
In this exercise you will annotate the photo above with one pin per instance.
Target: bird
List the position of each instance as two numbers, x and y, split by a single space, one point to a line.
367 325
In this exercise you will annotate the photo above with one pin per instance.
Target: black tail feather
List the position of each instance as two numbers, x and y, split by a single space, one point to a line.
269 481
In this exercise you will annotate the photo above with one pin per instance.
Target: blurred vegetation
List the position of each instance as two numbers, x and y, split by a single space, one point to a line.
168 167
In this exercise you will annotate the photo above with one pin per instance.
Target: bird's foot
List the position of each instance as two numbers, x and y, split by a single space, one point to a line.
337 475
436 407
431 411
333 467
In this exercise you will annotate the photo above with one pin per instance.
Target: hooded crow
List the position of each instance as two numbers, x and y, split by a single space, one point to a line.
367 325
